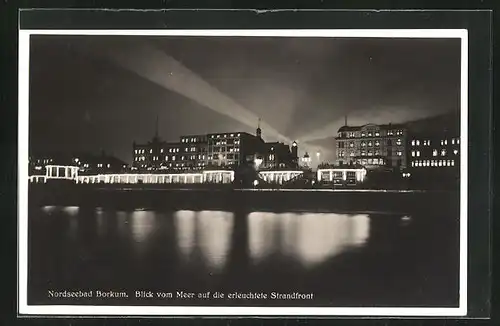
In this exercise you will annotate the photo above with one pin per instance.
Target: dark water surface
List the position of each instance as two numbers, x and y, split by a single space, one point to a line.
342 258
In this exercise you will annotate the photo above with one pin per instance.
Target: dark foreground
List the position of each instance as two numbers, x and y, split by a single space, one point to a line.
346 249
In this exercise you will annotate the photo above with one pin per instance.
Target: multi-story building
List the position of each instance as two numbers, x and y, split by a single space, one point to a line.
189 153
279 155
216 150
232 149
434 150
372 146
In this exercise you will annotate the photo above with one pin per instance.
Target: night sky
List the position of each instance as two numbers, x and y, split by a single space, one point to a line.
93 93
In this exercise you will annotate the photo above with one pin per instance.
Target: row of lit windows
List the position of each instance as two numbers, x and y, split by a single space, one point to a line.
376 143
225 136
224 149
416 142
182 158
226 142
397 132
363 144
434 152
454 141
370 134
100 165
370 161
223 157
44 161
187 140
164 166
376 133
433 163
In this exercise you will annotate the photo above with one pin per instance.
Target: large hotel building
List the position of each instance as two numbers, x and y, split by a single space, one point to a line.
372 145
216 150
418 147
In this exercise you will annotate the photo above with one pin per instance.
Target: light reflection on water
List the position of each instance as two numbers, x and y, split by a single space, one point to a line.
311 238
215 231
308 238
185 230
142 224
209 231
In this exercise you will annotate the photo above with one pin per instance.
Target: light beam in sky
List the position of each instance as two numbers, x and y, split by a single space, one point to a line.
379 115
149 62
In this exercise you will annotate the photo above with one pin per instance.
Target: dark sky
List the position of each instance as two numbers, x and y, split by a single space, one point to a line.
92 93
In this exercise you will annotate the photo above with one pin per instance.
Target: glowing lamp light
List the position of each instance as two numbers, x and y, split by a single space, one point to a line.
255 183
294 144
258 162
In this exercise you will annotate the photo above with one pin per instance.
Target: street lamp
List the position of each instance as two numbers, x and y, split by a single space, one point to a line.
258 162
318 155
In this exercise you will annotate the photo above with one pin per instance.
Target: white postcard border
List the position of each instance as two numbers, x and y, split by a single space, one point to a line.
71 310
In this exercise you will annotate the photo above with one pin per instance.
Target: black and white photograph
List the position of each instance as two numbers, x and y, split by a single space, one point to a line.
243 172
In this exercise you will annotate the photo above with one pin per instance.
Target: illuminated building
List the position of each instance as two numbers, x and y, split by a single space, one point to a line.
372 146
306 160
231 149
87 163
216 150
279 155
434 150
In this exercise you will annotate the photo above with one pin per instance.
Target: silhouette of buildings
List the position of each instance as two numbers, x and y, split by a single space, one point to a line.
215 150
372 146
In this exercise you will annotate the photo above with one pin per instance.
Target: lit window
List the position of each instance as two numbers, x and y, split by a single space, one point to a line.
370 153
443 152
166 158
400 153
413 143
173 158
455 151
418 142
351 154
150 151
453 163
398 142
413 153
377 143
418 153
458 141
434 152
446 141
377 133
363 144
363 134
370 143
369 134
453 141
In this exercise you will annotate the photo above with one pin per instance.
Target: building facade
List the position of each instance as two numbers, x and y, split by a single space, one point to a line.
372 146
216 150
436 150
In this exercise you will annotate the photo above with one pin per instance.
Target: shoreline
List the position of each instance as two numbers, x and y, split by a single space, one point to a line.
306 200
